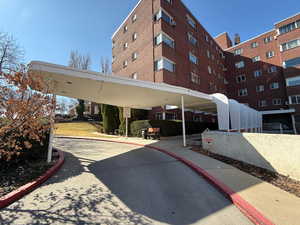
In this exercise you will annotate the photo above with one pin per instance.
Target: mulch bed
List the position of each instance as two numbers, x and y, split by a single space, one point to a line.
283 182
19 175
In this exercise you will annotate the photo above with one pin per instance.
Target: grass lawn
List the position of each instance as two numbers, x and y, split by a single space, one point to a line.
85 129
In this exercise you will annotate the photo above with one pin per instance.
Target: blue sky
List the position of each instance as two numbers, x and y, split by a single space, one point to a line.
49 29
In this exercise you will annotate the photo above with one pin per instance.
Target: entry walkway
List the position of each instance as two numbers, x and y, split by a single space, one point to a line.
277 205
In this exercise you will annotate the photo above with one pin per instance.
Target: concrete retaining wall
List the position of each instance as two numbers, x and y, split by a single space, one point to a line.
276 152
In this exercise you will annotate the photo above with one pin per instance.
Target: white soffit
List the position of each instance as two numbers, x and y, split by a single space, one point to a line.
115 90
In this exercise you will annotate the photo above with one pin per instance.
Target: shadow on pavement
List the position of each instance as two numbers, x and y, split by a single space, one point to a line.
133 187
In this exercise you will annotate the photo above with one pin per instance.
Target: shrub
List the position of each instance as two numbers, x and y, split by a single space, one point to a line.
25 105
170 128
110 115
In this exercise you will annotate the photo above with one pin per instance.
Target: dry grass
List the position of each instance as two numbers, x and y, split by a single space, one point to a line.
79 129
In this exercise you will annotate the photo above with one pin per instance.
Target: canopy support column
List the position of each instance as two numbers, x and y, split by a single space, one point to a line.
294 124
52 117
126 126
183 122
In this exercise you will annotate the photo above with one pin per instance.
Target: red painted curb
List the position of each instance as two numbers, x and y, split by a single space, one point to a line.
245 207
23 190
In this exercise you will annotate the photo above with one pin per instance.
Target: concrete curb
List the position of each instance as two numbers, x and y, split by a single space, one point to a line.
245 207
23 190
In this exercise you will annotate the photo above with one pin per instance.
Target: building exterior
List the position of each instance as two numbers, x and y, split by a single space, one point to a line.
161 41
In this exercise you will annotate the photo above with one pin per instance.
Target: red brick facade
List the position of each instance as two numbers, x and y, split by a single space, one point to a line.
213 69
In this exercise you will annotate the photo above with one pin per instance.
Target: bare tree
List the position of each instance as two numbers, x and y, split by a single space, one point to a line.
105 66
79 61
74 60
11 54
85 62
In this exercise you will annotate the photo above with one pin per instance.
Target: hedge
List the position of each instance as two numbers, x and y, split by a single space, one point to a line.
170 127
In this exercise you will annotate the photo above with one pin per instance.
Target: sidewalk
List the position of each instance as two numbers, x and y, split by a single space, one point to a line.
277 205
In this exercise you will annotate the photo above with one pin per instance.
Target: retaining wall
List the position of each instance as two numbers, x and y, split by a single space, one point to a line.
276 152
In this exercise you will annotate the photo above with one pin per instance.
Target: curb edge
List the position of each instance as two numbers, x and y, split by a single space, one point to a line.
25 189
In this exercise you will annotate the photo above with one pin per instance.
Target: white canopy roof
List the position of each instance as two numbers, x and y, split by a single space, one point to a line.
125 92
115 90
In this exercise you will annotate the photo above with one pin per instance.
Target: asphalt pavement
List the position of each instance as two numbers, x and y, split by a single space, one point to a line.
110 183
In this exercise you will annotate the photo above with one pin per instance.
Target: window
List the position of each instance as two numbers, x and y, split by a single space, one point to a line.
134 18
294 99
158 116
260 88
195 78
197 118
208 54
294 81
113 59
134 76
276 101
240 78
192 39
272 69
134 56
191 21
113 44
164 64
257 73
256 59
254 45
171 116
125 46
168 1
134 36
209 69
274 85
125 64
206 38
240 64
268 39
165 39
270 54
243 92
292 62
213 57
238 51
289 27
161 14
193 58
125 28
262 103
290 45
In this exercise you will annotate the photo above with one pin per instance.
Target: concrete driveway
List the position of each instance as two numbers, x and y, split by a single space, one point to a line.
109 183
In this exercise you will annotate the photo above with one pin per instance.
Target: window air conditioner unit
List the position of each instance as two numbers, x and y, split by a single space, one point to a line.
173 23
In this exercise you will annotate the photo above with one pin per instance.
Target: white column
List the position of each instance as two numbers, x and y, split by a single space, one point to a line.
222 103
294 124
183 121
50 145
164 115
126 126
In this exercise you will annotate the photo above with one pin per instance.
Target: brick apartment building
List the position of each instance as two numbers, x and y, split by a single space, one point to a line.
161 41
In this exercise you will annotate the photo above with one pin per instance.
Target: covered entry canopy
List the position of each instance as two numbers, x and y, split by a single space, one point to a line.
119 91
125 92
